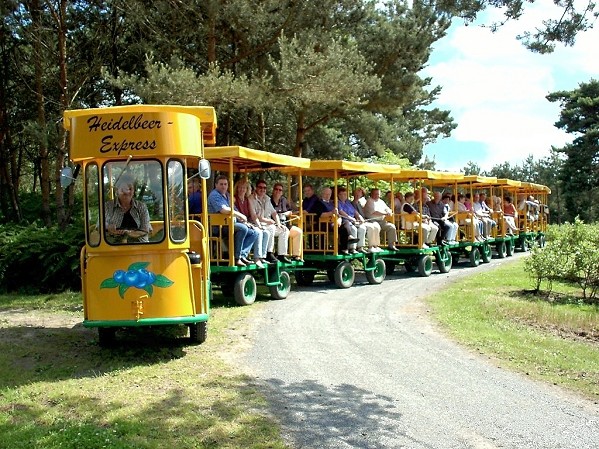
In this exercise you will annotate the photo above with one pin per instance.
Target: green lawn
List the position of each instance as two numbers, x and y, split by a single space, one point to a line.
555 339
58 389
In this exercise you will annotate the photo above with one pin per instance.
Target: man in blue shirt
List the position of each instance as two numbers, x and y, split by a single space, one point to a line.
219 201
352 222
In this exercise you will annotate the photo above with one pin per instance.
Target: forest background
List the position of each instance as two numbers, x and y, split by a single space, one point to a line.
327 79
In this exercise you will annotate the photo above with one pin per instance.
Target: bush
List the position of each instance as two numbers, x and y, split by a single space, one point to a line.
571 255
36 259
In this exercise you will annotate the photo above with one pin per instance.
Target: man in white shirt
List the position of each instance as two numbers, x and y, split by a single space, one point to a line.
483 213
376 209
269 220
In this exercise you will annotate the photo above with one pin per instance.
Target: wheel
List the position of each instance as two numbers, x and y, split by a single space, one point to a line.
389 268
244 290
425 265
486 253
282 289
474 257
523 244
106 336
304 277
198 332
344 275
409 266
377 275
444 260
501 249
509 248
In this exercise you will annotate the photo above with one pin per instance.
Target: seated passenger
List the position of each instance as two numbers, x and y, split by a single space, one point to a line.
244 204
398 201
285 211
509 215
439 212
426 215
527 207
473 220
373 229
269 219
428 232
483 213
447 221
352 221
127 219
377 210
326 197
194 196
219 202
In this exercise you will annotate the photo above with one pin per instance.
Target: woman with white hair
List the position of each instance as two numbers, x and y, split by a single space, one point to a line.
127 219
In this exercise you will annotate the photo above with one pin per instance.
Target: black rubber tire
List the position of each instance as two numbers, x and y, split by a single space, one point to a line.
282 289
509 248
245 289
425 265
474 257
377 276
523 245
486 254
501 250
409 265
344 275
198 332
444 260
304 278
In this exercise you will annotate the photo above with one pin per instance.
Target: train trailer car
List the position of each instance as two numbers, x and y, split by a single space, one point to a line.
238 278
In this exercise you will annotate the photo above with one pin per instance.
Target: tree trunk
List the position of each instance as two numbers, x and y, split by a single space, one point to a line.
62 213
41 113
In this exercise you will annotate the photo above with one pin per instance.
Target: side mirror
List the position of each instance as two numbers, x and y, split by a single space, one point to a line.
205 170
66 177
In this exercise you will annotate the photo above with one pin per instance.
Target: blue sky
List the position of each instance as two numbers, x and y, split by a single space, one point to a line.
496 91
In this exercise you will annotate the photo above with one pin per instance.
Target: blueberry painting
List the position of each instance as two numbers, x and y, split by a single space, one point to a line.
136 276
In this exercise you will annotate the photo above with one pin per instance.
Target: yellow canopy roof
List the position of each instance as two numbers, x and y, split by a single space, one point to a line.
242 159
407 175
328 168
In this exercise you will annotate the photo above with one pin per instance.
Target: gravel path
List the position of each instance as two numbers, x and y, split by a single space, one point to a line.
366 368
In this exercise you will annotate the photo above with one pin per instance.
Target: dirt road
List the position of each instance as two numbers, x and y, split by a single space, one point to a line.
366 368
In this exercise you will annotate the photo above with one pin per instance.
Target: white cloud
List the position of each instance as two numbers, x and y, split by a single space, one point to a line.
496 89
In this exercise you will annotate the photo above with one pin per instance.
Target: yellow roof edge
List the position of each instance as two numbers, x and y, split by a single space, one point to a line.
244 153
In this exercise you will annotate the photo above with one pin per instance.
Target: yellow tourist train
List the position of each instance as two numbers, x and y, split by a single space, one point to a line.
154 251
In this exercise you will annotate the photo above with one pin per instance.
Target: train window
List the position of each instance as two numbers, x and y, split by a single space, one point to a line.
176 201
92 200
133 202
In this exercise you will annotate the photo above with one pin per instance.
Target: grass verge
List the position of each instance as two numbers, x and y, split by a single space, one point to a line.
59 389
555 339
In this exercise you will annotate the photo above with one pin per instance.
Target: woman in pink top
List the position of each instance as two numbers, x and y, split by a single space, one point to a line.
509 215
243 204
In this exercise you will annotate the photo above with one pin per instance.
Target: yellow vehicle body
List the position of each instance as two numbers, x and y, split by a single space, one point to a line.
161 276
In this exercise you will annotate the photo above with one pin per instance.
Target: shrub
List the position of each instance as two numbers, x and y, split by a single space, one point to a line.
36 259
571 255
